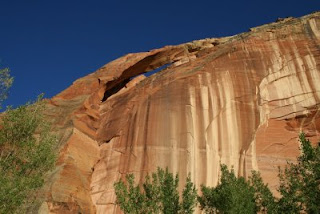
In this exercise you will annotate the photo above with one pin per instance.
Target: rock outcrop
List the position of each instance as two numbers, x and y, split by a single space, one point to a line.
239 100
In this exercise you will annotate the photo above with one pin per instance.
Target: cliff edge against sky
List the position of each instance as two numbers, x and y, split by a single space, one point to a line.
239 100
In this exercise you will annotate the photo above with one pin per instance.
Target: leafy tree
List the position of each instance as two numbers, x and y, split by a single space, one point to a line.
189 197
300 182
5 83
264 199
231 195
158 194
26 154
236 195
299 188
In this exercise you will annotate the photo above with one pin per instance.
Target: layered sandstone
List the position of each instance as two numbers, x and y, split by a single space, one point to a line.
239 100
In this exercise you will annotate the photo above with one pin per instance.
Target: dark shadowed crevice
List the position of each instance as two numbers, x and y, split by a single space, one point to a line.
114 89
148 66
149 73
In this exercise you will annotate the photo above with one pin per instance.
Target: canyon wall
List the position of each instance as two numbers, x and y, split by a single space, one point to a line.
239 100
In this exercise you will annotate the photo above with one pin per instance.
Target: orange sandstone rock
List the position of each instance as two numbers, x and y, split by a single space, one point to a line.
239 100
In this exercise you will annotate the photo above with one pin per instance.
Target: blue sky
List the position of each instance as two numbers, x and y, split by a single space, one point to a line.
49 44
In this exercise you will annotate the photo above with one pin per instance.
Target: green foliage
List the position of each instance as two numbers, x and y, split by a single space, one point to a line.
5 83
236 195
158 194
300 182
299 188
26 147
231 195
189 197
265 202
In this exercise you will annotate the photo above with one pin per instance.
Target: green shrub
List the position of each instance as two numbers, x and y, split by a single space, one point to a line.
158 194
236 195
231 195
5 83
300 182
265 202
27 153
299 189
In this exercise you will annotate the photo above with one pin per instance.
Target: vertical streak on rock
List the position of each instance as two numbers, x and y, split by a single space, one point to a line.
315 28
212 136
205 152
241 101
191 132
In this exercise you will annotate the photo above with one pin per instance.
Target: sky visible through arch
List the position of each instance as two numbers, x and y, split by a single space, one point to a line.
49 44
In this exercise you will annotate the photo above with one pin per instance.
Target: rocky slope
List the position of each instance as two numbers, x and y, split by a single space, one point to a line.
239 100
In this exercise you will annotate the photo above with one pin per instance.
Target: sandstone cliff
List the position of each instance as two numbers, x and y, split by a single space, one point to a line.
239 100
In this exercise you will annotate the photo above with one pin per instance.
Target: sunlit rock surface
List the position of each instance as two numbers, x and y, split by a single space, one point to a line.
239 100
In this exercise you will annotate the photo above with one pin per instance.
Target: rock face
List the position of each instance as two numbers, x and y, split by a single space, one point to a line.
239 100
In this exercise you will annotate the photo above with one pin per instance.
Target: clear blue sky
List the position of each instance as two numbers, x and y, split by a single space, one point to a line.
49 44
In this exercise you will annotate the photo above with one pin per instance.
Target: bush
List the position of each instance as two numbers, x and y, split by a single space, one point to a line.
158 194
27 153
5 83
265 202
231 195
300 182
236 195
299 188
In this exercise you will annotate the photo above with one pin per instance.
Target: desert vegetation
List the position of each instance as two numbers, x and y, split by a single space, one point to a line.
299 187
27 152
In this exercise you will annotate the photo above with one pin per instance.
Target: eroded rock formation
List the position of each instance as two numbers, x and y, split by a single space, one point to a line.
239 100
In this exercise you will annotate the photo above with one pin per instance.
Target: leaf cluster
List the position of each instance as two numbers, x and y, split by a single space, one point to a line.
300 182
299 189
26 154
236 195
158 194
5 83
